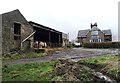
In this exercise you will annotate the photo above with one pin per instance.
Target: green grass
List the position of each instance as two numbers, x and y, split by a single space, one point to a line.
37 55
44 71
18 56
110 62
28 72
100 59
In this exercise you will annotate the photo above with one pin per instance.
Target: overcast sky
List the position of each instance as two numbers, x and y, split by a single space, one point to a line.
68 16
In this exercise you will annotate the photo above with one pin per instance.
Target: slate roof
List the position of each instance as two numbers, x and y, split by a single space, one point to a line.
107 32
83 33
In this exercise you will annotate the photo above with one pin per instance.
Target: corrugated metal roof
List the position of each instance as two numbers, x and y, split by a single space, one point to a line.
43 27
107 32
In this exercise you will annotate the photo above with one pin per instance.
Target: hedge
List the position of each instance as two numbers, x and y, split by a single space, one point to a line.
102 45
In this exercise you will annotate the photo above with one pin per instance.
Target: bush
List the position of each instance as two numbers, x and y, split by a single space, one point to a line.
102 45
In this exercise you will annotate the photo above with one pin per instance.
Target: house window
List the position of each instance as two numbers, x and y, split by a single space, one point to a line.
17 31
94 32
95 36
95 40
99 40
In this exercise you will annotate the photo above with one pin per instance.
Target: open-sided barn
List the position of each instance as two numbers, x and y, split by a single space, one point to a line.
49 36
19 34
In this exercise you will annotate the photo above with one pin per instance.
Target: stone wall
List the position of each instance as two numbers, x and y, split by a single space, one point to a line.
101 35
8 29
0 35
88 37
0 48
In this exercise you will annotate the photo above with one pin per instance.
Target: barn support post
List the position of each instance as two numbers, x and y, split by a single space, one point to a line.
50 38
59 40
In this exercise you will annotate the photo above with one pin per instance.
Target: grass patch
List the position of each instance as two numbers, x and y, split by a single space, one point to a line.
100 59
105 64
11 57
28 72
33 55
19 56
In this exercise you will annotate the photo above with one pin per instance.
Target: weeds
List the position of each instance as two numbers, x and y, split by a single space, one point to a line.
105 64
19 56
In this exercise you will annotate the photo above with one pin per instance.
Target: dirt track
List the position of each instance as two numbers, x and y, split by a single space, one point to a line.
75 54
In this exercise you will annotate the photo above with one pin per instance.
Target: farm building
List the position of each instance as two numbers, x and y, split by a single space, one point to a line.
65 40
19 34
94 35
48 36
15 29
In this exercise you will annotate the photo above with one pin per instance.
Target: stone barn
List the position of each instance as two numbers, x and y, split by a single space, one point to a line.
16 32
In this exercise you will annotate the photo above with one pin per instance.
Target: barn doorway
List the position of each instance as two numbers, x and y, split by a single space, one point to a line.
17 35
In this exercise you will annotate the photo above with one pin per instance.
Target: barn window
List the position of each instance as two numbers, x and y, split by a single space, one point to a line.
17 31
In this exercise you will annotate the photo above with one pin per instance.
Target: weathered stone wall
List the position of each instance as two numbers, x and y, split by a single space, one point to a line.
101 35
0 48
8 29
0 35
85 40
82 40
88 37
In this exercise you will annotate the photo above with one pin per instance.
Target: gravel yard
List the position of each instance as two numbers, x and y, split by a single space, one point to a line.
75 54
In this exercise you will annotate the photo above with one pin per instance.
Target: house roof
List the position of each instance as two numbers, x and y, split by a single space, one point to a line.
107 32
83 33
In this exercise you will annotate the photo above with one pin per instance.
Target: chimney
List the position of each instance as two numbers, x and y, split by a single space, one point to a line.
95 24
91 25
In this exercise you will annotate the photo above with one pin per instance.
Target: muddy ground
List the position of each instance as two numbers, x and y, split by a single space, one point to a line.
71 70
74 54
81 53
68 70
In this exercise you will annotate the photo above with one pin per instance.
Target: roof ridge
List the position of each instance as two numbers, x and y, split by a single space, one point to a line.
11 11
106 29
84 30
